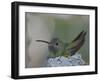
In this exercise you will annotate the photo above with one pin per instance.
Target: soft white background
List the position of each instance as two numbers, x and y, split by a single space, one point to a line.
5 40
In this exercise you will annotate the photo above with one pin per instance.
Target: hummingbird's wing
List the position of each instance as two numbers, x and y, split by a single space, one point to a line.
76 44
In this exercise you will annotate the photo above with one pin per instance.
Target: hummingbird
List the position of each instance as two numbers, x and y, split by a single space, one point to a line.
59 48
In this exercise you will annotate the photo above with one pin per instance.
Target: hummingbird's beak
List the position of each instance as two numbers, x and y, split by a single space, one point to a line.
43 41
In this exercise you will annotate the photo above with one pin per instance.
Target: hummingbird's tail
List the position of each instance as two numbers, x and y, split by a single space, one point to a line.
83 33
77 43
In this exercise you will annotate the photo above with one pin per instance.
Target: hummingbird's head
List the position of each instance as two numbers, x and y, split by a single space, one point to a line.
54 45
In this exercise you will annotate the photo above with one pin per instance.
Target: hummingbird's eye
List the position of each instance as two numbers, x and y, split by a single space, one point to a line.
56 43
